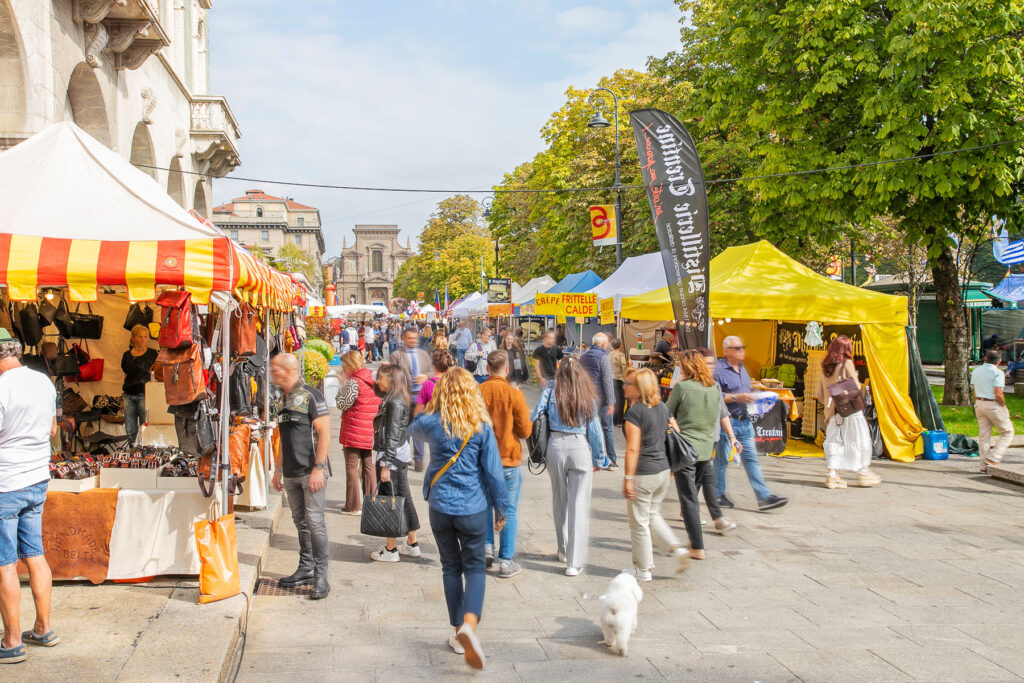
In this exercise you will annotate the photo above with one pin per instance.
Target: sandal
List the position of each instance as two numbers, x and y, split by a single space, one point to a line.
835 482
48 639
13 655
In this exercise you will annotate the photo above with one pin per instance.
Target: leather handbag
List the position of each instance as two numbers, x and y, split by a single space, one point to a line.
86 325
384 516
238 452
62 319
72 402
182 371
846 395
138 315
243 330
30 326
681 453
537 442
67 361
218 558
89 369
47 311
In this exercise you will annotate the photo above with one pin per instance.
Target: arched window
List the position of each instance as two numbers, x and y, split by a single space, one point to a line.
376 261
259 212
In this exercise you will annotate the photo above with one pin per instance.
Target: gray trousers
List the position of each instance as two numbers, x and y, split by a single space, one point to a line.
572 473
308 515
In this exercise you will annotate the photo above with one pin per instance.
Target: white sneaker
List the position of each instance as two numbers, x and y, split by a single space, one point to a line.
640 574
561 557
382 554
456 646
724 525
352 513
409 550
573 571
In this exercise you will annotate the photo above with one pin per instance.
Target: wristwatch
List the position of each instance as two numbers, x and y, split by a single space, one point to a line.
628 477
321 465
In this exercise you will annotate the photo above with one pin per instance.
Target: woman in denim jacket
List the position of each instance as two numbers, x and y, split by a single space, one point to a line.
575 449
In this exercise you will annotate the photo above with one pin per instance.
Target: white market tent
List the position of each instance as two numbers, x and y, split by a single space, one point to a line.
528 291
636 275
356 309
470 306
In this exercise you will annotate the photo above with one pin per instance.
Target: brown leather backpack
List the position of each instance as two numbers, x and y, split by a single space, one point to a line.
243 330
182 371
238 450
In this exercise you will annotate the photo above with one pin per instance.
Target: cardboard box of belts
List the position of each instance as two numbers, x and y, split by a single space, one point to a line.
148 467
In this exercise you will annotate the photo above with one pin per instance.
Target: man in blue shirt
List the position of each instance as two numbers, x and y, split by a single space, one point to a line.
463 338
416 362
734 381
598 365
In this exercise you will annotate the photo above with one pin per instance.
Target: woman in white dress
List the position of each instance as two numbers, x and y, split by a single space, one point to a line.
847 439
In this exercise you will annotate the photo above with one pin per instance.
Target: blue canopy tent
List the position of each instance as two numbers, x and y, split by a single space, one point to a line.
574 282
1010 290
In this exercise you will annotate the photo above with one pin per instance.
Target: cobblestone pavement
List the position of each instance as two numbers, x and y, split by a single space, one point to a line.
917 579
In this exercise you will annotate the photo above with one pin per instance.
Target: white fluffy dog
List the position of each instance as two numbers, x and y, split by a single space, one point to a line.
618 612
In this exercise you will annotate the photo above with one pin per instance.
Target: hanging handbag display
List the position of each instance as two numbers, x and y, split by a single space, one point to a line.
29 325
182 371
846 396
383 516
62 319
47 311
72 402
239 438
67 361
681 453
243 330
178 322
138 315
89 369
537 442
86 325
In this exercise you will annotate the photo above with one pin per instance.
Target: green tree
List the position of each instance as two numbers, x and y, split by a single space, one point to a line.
810 84
290 258
451 247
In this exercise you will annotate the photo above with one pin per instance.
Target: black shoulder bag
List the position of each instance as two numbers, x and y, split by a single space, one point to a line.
681 453
537 442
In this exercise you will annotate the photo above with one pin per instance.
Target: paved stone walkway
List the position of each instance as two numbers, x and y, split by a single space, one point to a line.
918 579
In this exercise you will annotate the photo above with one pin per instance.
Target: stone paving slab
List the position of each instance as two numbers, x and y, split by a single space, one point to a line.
918 579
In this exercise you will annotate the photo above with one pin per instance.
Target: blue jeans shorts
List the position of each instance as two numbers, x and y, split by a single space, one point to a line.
21 523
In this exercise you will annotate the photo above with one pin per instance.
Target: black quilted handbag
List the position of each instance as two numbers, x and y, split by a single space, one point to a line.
384 516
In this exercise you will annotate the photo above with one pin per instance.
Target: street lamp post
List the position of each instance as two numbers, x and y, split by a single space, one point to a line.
487 201
598 99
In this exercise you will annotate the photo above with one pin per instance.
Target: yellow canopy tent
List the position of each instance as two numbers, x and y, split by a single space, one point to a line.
757 286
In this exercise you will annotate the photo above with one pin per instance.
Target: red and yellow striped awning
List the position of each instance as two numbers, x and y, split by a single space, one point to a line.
201 266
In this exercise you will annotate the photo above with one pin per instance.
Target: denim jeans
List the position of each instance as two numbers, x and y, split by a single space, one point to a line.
460 542
461 356
744 432
308 515
513 483
608 427
134 414
21 523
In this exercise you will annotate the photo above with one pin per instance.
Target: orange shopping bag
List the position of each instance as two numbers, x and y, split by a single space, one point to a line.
218 559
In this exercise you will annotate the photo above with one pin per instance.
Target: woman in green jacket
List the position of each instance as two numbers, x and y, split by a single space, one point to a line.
693 406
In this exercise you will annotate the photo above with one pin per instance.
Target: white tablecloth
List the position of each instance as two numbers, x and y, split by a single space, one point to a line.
153 532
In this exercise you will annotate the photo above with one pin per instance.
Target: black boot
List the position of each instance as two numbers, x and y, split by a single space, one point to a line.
300 577
320 588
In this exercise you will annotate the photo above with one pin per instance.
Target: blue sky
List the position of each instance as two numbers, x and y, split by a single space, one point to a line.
428 93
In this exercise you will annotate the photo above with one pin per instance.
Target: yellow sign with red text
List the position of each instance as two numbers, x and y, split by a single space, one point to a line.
602 225
607 307
547 304
579 305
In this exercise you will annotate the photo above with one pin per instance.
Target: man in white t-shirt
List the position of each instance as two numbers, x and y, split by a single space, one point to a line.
370 338
28 420
990 409
477 352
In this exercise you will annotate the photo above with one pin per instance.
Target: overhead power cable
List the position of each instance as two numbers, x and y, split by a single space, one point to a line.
715 181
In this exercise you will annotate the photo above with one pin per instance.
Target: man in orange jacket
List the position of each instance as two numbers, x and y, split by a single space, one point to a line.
511 419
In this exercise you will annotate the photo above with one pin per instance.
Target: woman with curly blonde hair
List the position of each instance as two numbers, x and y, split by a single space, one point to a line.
463 478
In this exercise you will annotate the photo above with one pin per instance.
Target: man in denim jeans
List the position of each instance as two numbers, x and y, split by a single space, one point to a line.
28 409
734 382
507 408
301 413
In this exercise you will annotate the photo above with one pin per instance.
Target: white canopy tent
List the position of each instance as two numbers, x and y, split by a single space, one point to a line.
356 309
470 305
528 291
636 275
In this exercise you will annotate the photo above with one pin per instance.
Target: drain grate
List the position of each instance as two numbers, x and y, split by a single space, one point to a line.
267 586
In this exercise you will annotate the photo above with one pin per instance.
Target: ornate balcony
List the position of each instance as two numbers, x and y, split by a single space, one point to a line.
127 31
214 134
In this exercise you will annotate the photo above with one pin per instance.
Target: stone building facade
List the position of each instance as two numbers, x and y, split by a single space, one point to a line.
265 222
364 273
134 74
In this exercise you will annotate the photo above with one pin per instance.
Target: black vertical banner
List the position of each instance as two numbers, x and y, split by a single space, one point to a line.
679 204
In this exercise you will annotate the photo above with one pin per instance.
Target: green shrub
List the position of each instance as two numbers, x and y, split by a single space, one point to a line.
316 367
321 347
